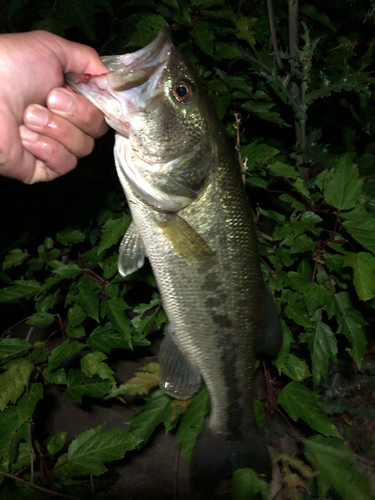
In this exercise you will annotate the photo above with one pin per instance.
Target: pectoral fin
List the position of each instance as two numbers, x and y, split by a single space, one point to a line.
178 377
131 252
186 242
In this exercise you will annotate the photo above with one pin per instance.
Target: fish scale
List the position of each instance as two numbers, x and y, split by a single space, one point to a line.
192 219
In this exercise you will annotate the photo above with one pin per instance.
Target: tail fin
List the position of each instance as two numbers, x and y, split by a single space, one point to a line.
217 456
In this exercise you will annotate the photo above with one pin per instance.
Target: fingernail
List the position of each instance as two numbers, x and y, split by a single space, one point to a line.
61 100
37 115
28 135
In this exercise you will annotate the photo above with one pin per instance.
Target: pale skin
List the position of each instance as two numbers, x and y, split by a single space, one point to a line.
44 127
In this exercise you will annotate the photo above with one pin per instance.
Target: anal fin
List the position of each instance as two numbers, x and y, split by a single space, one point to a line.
131 252
178 377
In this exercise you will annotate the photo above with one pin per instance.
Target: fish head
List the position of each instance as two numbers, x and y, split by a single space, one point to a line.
164 123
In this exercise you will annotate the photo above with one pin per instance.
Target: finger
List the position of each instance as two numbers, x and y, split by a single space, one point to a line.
52 158
78 110
41 120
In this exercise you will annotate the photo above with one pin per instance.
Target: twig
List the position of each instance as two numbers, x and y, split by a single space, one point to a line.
92 486
29 333
237 148
264 236
273 34
35 486
31 452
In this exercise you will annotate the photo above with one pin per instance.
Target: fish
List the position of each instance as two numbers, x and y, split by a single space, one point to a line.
192 219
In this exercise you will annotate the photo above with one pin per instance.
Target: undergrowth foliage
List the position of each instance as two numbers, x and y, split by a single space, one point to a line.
280 91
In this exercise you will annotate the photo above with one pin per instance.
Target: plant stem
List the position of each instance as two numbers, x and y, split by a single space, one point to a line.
273 34
35 486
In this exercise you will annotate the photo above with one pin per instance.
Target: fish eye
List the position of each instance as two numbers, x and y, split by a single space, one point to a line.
183 92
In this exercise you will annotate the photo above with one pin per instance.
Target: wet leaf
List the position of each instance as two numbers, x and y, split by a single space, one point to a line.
153 413
192 422
88 453
363 265
333 461
299 402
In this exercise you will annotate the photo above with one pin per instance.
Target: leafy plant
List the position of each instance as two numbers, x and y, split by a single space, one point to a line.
294 89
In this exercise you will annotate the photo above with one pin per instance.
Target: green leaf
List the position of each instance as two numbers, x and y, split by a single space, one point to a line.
146 30
323 347
104 338
63 352
157 316
57 376
45 302
192 422
361 226
75 333
257 153
14 258
333 461
112 231
88 453
288 363
70 236
22 289
87 298
303 244
56 442
350 325
299 402
246 485
114 309
363 265
341 185
316 296
76 315
280 169
41 318
153 413
23 457
79 385
204 37
13 348
92 364
14 380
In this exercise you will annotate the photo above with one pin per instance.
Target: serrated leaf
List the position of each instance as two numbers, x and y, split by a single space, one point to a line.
104 338
247 485
204 37
63 352
92 364
351 326
45 302
21 289
146 379
56 442
79 385
257 153
361 225
87 298
342 186
14 258
153 413
70 237
302 244
41 318
333 461
323 347
57 376
76 315
294 367
114 309
88 453
363 265
192 422
75 333
14 380
12 348
282 170
146 30
112 231
316 296
23 457
299 402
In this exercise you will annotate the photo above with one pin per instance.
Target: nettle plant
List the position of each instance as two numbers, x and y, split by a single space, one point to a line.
314 205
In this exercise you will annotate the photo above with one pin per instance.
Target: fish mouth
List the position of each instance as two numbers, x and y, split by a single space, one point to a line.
133 80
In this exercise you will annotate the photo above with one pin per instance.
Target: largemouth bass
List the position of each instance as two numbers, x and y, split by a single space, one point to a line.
192 219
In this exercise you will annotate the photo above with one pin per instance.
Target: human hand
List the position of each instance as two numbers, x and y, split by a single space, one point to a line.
39 143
